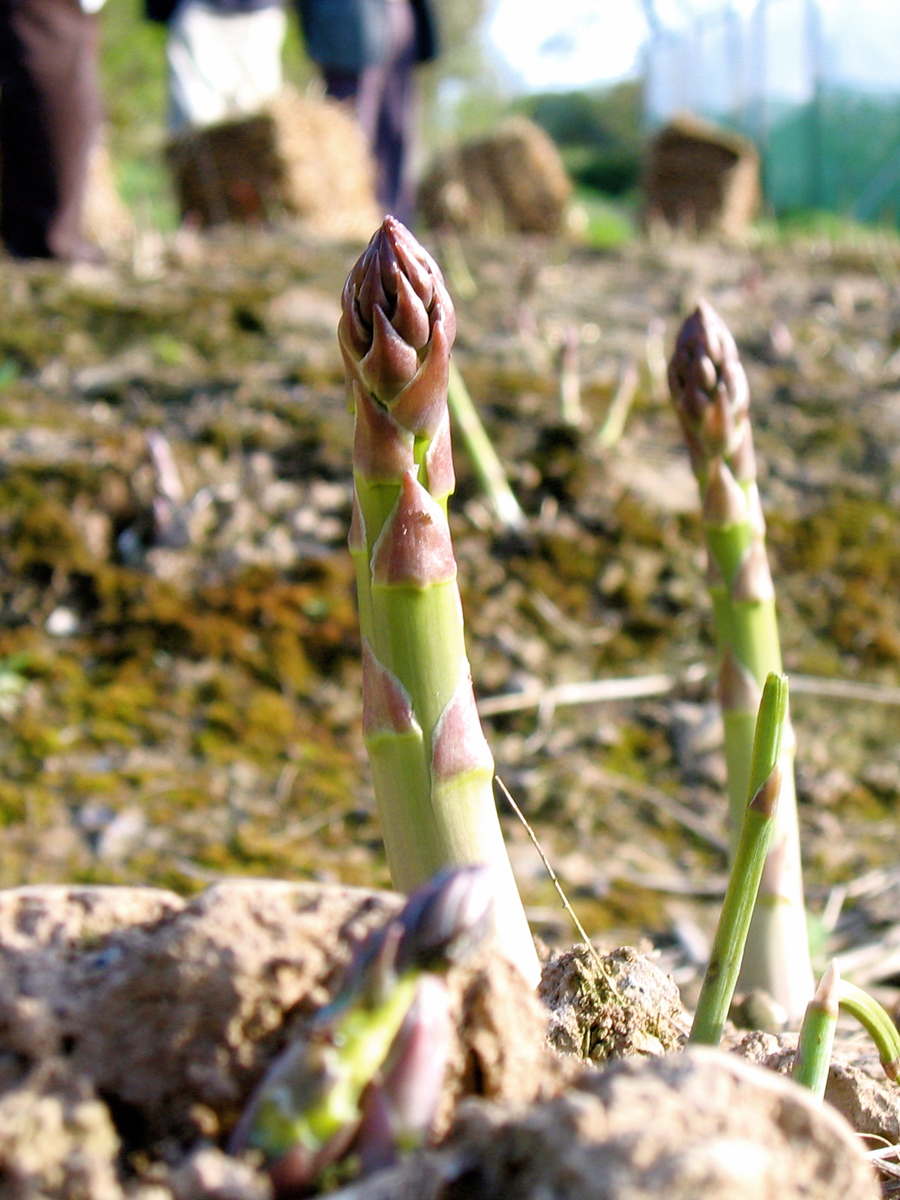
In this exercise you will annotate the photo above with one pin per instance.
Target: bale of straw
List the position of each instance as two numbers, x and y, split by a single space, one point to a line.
699 178
512 181
303 157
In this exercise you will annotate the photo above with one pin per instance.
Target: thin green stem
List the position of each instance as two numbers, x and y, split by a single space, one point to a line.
485 460
876 1022
746 872
813 1057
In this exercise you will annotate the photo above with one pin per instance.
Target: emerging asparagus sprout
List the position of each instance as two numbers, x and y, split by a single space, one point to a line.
367 1079
431 765
876 1022
813 1055
712 401
756 832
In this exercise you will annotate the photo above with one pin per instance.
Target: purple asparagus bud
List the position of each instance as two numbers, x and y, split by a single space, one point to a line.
442 923
446 919
397 327
711 394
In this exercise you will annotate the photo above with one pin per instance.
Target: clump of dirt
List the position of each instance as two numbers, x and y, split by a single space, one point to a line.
611 1006
693 1124
856 1084
170 1011
57 1139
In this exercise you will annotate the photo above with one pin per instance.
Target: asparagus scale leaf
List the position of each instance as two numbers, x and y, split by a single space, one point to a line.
712 400
431 765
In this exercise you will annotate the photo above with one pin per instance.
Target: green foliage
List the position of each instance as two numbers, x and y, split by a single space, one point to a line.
598 132
607 224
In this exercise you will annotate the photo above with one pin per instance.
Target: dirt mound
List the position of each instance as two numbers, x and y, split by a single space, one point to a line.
130 1017
134 1026
690 1125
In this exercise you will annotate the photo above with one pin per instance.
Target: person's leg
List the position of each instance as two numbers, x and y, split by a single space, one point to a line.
222 65
61 44
28 195
359 90
397 116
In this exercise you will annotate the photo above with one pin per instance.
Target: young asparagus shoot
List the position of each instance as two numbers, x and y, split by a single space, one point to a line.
712 400
747 868
431 765
876 1022
368 1076
485 460
813 1057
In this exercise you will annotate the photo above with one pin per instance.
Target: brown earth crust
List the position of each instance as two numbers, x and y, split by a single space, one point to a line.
135 1025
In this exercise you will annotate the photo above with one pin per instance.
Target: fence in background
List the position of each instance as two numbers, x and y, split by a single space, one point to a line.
815 83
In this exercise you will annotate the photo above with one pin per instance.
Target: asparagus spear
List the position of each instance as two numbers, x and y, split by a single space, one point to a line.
711 397
431 765
813 1056
368 1075
876 1022
747 869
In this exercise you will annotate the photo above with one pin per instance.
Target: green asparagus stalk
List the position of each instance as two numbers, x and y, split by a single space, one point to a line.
757 826
488 466
876 1022
431 765
711 397
813 1057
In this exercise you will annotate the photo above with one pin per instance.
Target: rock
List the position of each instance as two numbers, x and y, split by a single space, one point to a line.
502 1052
208 1174
627 1007
690 1125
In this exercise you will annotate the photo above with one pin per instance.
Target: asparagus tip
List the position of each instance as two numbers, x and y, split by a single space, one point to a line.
827 995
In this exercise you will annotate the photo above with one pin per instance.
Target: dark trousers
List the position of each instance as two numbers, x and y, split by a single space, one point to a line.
49 120
384 99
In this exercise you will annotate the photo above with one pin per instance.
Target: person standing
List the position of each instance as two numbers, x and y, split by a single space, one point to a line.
367 51
224 58
50 116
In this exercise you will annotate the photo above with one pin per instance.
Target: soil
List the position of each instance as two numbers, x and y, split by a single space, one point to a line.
179 676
